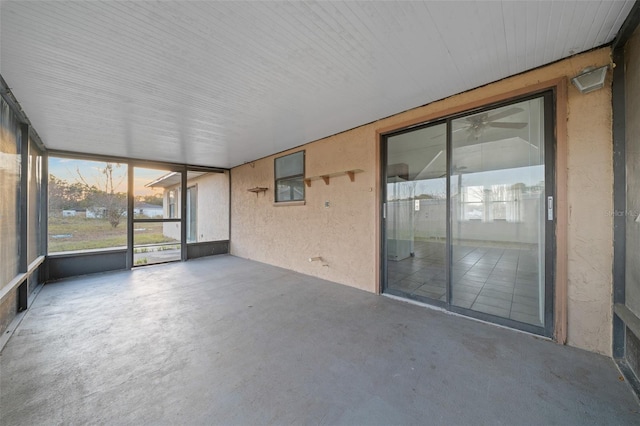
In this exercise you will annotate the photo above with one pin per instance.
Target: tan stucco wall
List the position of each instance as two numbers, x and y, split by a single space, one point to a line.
590 233
342 234
346 235
212 206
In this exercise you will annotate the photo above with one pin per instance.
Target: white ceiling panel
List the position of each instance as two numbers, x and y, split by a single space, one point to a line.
223 83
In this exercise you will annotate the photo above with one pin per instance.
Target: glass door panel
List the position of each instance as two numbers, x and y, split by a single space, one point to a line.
497 193
416 194
156 242
156 193
157 231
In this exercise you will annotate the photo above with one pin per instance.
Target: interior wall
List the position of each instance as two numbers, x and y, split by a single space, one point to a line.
345 233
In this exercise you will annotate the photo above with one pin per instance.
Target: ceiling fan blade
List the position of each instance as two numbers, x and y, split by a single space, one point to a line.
433 160
478 118
423 173
442 134
505 125
504 114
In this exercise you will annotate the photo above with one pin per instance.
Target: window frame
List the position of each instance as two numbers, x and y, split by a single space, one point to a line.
488 202
99 212
289 177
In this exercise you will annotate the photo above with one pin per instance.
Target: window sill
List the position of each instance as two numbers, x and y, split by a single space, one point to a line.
87 252
289 203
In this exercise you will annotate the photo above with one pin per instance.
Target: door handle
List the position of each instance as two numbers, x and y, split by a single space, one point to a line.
550 207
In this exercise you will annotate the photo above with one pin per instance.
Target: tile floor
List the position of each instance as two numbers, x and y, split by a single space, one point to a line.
501 281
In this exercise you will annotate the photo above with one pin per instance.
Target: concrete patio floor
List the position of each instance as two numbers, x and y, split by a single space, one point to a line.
222 340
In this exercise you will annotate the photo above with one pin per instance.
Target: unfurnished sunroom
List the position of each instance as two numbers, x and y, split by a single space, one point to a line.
440 153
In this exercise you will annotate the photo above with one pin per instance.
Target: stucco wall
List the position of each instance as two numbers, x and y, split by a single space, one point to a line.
212 206
346 235
590 234
343 234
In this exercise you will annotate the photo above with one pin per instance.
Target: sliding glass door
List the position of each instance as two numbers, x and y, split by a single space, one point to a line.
468 214
416 206
498 212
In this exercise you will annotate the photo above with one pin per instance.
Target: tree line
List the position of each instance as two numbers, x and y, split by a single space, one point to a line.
97 194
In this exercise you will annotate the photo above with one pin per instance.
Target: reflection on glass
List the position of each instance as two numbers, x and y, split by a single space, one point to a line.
290 189
34 216
87 205
497 202
289 174
10 175
416 213
156 242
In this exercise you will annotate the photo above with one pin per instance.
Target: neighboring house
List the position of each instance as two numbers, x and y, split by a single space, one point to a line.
96 213
148 210
207 206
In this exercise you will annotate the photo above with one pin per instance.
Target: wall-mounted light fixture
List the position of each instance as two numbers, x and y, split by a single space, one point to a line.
590 79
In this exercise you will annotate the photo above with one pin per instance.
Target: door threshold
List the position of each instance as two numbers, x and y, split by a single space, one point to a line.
448 312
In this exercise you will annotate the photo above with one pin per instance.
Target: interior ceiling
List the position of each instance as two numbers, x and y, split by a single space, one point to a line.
223 83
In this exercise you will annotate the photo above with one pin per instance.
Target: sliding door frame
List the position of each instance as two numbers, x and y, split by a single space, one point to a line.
383 229
549 95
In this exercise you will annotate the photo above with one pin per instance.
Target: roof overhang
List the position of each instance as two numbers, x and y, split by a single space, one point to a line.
172 179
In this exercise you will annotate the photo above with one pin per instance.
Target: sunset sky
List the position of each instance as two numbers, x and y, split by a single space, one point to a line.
65 168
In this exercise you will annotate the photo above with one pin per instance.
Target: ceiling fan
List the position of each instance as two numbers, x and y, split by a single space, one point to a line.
476 124
479 122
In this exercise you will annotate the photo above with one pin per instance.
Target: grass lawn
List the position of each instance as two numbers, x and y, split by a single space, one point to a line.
79 233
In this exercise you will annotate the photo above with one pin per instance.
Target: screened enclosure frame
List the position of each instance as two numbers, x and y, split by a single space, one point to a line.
131 164
28 206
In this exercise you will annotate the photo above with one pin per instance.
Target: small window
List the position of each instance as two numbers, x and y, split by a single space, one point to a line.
289 173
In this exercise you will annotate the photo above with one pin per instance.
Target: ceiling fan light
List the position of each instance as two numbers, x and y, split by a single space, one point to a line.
590 79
